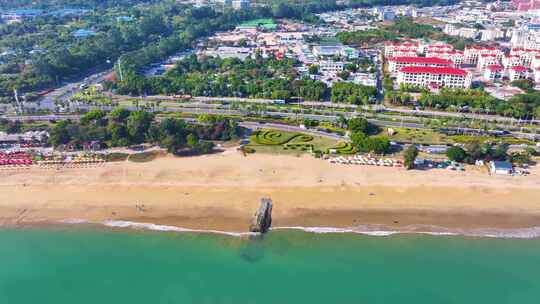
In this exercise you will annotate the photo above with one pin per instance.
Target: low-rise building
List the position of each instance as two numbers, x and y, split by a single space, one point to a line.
501 168
392 48
434 77
518 72
509 61
396 63
487 59
493 72
472 53
330 66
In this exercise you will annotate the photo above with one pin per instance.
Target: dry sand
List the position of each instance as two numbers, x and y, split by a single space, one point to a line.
222 192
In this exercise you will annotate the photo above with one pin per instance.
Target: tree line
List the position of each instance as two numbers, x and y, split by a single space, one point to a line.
256 77
402 27
122 127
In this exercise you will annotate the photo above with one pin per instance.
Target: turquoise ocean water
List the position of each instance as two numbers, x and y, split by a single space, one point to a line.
61 266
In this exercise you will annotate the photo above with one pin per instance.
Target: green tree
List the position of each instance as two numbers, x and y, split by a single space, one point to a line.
500 152
314 69
60 133
456 153
409 156
138 124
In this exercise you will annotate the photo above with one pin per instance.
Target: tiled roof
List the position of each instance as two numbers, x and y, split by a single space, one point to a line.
434 70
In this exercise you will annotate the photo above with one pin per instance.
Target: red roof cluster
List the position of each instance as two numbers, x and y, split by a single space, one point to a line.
434 70
445 52
16 158
478 47
519 68
427 60
495 67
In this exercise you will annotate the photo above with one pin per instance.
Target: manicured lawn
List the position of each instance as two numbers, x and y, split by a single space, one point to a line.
281 142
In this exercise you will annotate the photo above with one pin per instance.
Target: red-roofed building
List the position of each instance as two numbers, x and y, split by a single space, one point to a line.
396 49
487 59
455 56
526 56
396 63
518 72
493 72
511 61
472 53
434 76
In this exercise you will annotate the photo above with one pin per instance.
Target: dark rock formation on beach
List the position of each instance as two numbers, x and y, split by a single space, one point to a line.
263 217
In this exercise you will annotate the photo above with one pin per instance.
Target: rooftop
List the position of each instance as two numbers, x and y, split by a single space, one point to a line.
495 67
519 68
434 70
502 165
429 60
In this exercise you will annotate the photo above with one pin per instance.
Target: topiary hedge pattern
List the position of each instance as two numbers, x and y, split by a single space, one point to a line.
344 148
272 137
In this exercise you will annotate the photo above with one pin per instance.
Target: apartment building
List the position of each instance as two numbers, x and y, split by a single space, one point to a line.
526 56
511 61
410 47
472 53
493 72
434 77
396 63
518 73
456 57
485 60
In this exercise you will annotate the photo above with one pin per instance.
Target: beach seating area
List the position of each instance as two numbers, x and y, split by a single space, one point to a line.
78 161
367 160
15 160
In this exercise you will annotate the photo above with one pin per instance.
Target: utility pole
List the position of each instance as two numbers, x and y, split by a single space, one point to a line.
17 102
120 68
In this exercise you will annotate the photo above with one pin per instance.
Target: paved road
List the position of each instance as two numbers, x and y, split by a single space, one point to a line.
495 118
258 125
65 92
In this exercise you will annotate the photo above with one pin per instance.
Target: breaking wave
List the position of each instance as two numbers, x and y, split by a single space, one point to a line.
379 230
370 230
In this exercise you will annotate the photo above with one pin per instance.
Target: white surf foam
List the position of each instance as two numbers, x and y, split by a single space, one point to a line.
156 227
370 230
377 230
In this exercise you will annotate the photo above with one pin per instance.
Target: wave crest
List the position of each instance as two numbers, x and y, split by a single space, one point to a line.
370 230
379 230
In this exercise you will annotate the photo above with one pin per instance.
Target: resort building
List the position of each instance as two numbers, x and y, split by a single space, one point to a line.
434 77
525 55
455 56
396 63
392 49
437 48
487 59
472 53
493 72
518 72
511 61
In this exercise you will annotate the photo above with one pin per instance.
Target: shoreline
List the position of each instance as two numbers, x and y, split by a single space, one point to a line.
376 230
221 192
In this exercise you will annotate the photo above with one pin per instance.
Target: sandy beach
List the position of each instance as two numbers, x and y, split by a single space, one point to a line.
222 192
